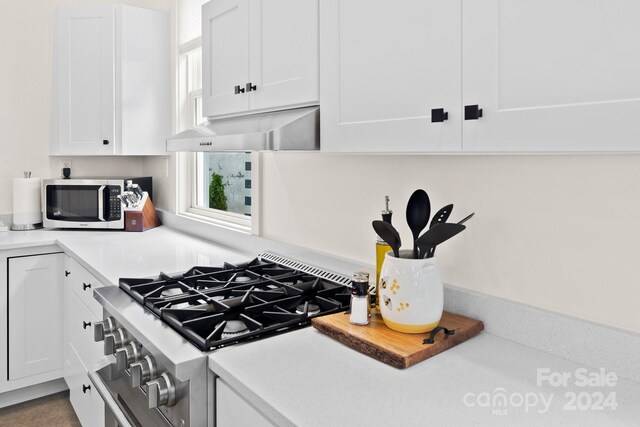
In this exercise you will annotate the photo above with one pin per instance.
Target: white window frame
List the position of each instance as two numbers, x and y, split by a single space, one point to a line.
186 186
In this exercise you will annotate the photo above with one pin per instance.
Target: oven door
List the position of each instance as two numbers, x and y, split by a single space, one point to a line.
124 406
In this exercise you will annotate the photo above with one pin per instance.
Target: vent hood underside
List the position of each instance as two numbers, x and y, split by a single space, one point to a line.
297 129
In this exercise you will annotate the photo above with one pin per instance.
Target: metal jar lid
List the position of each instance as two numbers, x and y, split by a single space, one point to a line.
360 284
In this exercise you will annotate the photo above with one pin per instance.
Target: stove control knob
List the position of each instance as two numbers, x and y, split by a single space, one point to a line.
127 355
114 341
142 371
107 326
161 392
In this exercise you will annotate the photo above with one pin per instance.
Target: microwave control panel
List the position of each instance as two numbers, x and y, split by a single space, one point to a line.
113 210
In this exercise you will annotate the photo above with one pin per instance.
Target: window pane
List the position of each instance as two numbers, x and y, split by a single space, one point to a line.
194 70
197 105
189 19
223 182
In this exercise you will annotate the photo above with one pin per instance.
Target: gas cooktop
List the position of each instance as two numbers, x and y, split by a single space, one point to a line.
217 306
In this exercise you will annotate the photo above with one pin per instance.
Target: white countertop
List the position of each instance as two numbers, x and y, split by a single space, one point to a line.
110 255
305 378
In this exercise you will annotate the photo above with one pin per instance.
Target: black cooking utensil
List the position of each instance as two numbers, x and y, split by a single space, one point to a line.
436 235
467 218
418 214
441 216
389 234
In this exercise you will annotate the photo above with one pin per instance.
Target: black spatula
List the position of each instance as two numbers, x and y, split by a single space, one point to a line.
436 235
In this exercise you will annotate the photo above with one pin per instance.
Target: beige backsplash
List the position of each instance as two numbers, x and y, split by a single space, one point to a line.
558 232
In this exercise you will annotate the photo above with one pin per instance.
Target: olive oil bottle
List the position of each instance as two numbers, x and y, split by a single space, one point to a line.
382 247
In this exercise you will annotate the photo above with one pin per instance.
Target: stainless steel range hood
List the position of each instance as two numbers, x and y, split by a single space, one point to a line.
297 129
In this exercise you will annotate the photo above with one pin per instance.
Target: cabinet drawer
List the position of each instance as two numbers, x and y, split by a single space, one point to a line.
86 402
83 283
80 332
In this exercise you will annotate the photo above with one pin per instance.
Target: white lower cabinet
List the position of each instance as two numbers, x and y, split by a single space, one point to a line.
79 327
86 402
36 328
82 353
233 411
82 283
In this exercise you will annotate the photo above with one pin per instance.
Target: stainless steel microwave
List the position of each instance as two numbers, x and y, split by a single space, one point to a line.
87 202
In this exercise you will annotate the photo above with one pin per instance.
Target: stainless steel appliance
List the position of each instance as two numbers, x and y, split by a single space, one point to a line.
160 330
295 129
87 203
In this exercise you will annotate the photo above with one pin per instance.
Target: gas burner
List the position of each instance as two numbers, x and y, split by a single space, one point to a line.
234 328
170 292
214 307
312 309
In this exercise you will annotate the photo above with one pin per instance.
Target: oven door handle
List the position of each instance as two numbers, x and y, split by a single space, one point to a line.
109 401
101 202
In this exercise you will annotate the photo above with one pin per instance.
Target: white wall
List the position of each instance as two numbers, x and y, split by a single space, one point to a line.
26 43
557 232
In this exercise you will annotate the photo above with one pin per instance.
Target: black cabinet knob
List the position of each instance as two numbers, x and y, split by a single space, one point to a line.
250 87
86 286
85 388
66 273
472 112
85 325
238 90
105 142
438 115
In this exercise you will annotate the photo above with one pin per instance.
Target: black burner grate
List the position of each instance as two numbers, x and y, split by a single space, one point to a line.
217 306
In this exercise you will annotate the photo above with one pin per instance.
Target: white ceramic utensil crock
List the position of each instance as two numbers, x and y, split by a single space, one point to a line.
411 293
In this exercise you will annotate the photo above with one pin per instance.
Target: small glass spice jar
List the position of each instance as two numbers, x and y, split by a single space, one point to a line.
360 302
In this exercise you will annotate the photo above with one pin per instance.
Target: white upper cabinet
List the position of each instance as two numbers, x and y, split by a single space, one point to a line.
112 81
513 75
284 53
259 55
384 67
552 75
225 65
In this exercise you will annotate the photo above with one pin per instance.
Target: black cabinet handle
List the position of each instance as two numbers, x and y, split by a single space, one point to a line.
238 90
66 273
85 388
250 87
85 325
86 286
438 115
472 112
105 142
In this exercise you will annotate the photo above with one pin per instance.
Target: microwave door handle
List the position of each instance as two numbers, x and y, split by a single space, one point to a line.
101 203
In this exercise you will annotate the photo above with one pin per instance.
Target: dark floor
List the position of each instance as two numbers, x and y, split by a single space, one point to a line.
50 411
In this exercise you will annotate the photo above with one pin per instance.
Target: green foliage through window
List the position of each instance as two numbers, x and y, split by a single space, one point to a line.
217 198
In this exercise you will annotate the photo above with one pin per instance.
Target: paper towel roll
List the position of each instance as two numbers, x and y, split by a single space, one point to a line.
26 201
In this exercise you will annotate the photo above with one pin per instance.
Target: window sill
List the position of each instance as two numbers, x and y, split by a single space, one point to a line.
208 221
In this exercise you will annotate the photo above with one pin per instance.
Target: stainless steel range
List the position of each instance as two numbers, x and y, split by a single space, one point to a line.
161 329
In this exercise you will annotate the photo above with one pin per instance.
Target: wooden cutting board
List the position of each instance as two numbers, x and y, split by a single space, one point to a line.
395 348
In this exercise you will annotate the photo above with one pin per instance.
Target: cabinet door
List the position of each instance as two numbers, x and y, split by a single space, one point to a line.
283 53
36 326
383 67
225 56
552 75
85 80
233 411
